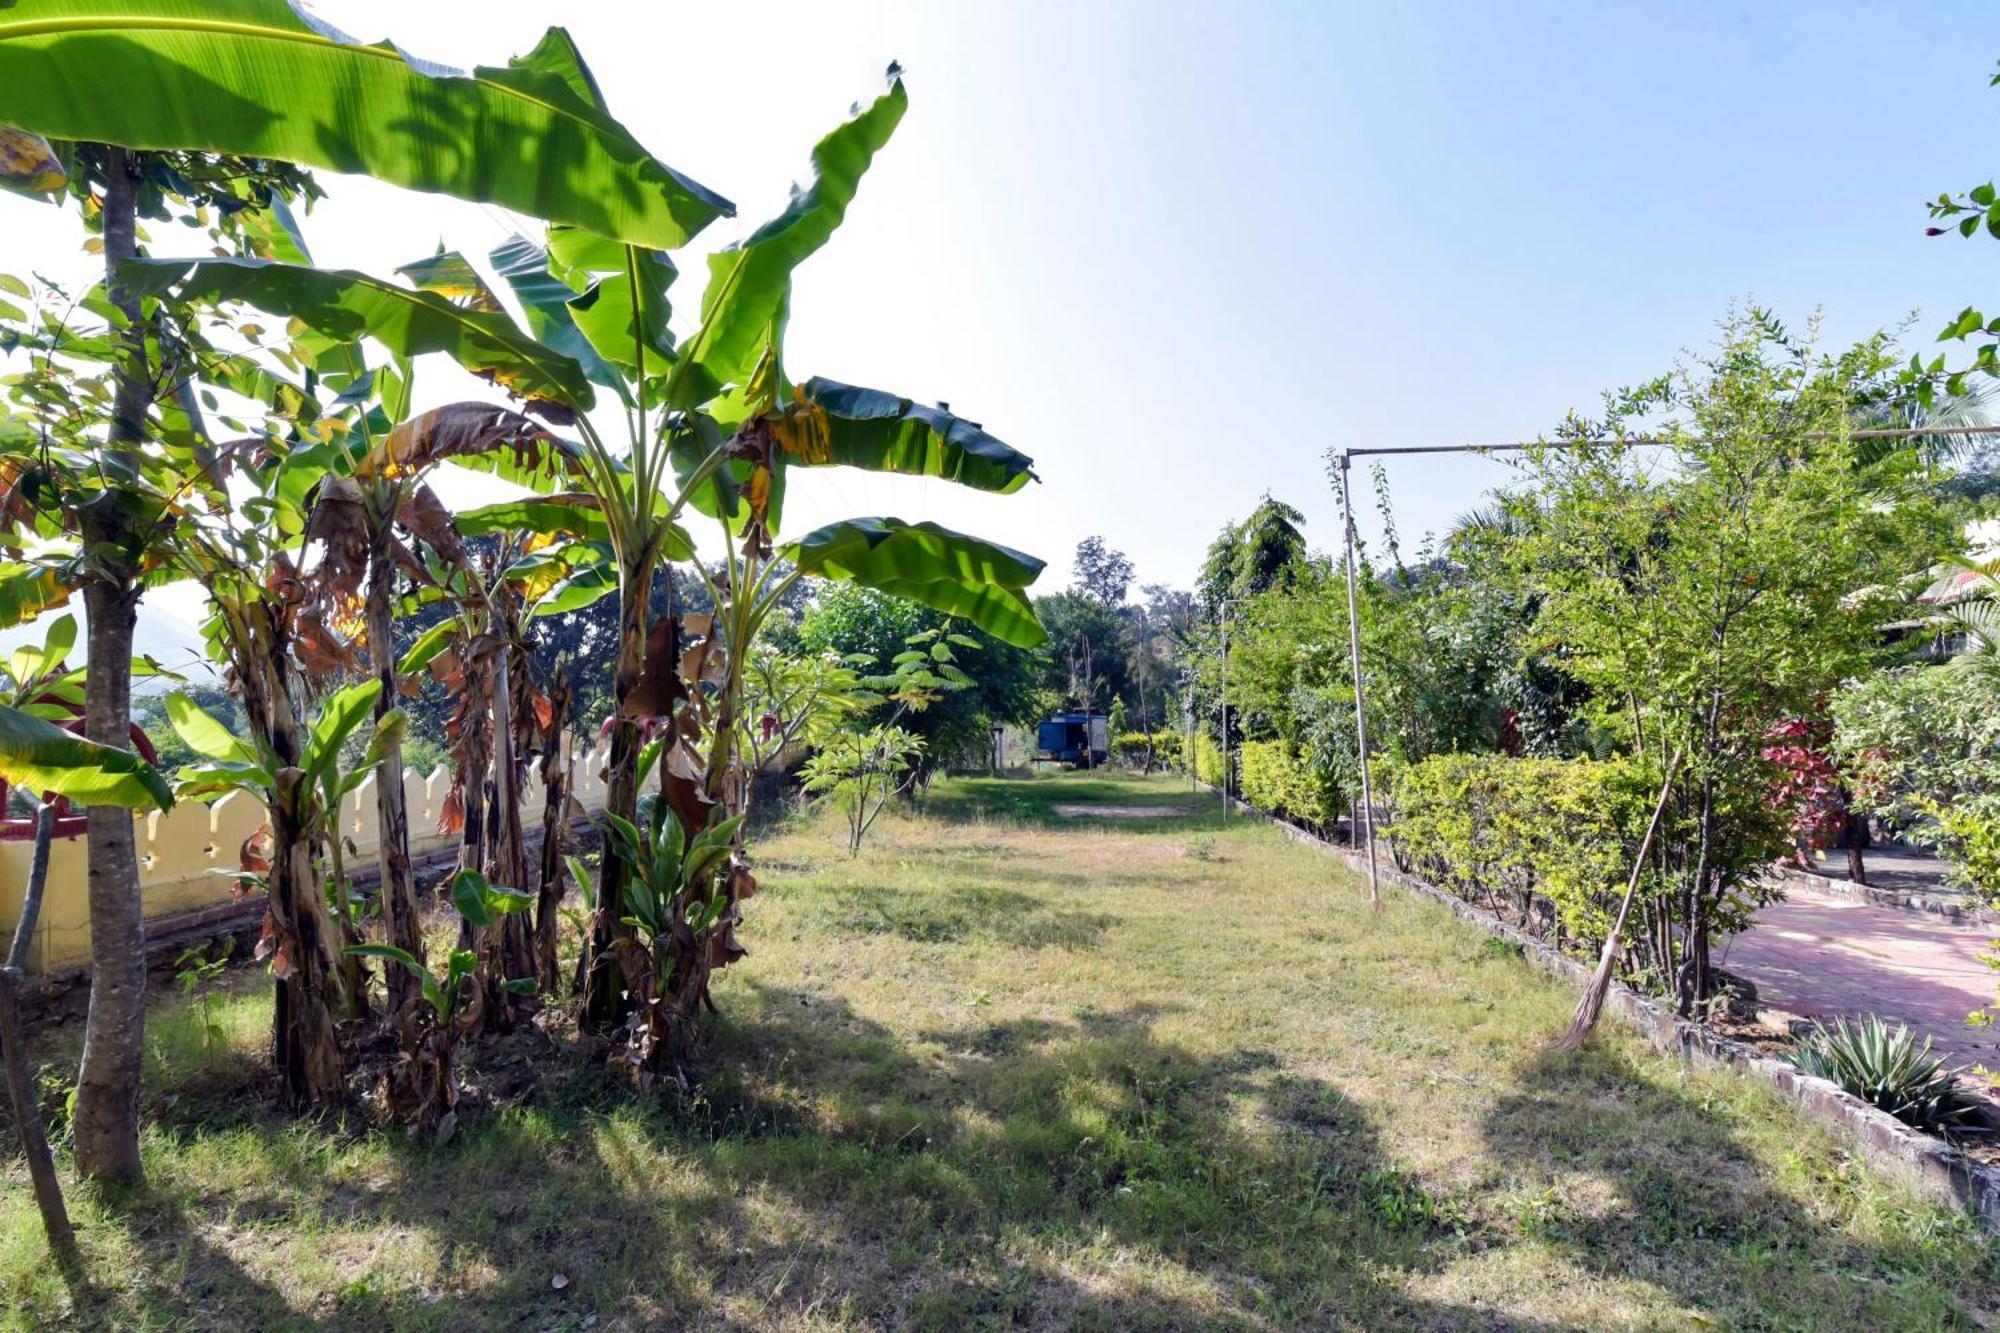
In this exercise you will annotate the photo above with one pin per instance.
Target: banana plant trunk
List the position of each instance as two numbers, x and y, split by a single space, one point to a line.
353 975
604 1000
106 1123
510 850
397 887
303 1045
555 769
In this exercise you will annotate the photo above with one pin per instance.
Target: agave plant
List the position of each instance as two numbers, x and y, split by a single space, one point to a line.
1889 1069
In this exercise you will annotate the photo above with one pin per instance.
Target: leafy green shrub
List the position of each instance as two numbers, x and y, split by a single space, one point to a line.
1207 759
1278 778
1888 1069
1549 843
1129 747
1509 832
1921 749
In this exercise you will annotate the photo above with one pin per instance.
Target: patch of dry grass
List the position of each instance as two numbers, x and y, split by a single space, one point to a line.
1013 1068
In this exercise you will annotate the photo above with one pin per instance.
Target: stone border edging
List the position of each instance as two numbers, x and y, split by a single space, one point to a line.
1902 900
1937 1167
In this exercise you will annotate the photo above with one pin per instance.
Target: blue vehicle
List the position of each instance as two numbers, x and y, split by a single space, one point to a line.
1076 739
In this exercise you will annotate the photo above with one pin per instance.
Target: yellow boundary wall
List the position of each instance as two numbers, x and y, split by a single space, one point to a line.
188 855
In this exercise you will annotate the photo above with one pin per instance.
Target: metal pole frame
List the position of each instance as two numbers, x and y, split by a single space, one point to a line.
1365 820
1347 456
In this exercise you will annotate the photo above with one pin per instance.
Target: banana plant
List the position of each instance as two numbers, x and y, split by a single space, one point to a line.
482 653
239 539
307 795
269 80
373 516
422 1086
269 86
679 889
711 423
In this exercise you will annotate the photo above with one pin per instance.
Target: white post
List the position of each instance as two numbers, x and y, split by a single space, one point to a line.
1367 815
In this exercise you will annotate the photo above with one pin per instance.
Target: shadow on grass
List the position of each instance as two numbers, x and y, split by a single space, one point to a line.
989 1157
1691 1211
1083 1174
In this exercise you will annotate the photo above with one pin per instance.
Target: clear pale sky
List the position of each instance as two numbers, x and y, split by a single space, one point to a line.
1176 251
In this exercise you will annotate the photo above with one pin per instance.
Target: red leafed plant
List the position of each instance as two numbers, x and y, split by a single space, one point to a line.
1805 782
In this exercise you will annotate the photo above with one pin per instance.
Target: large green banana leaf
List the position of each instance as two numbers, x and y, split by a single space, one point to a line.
341 303
922 562
261 78
545 298
833 423
749 283
42 756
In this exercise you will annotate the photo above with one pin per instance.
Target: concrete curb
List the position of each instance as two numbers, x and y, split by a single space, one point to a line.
1938 1168
1920 904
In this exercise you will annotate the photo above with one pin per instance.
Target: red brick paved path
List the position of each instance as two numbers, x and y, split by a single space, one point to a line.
1822 955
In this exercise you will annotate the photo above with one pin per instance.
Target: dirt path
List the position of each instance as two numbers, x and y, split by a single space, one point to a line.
1822 954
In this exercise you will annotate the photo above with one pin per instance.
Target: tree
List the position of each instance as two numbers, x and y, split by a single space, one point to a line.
869 629
859 771
1706 604
1250 557
712 421
1101 572
1088 663
715 413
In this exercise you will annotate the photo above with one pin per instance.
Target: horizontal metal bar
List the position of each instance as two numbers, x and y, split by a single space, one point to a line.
1517 446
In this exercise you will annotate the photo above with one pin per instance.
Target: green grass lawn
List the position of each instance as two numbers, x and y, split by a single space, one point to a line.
1011 1067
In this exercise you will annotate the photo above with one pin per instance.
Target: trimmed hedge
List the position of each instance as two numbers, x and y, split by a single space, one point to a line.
1547 841
1129 747
1278 779
1207 759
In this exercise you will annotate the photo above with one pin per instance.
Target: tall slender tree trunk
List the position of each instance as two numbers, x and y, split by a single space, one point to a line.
106 1123
398 888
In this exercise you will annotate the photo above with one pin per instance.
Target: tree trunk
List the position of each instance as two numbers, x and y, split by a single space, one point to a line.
303 1046
398 888
107 1094
1855 831
510 849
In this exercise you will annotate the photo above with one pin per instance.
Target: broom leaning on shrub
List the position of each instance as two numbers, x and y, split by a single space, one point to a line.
1592 1003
